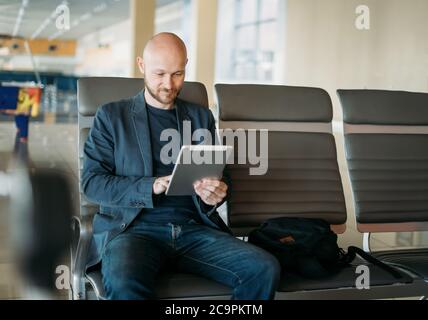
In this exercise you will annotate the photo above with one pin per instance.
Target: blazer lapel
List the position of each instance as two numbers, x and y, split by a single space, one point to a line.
184 123
142 132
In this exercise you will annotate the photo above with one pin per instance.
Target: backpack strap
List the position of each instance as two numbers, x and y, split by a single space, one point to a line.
352 251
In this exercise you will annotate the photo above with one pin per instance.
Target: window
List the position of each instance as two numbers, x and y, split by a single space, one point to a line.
175 16
171 17
247 40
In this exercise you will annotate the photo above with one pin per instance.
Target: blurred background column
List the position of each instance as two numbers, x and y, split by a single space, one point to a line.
203 38
142 29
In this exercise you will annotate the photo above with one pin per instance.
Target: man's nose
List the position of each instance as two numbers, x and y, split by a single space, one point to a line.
167 82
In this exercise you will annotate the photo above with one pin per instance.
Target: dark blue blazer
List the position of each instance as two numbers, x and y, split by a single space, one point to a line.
118 170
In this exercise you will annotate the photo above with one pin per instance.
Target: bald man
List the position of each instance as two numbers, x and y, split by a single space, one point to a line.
138 230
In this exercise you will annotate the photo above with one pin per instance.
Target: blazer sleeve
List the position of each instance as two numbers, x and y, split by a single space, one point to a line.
99 182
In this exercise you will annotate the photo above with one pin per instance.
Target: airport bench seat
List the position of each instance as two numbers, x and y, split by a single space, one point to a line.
174 285
292 131
387 156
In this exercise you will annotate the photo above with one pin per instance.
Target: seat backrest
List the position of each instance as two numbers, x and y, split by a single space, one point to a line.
303 178
386 144
93 92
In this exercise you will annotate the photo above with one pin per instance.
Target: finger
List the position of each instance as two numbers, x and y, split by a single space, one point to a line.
166 179
207 200
163 183
197 189
212 197
208 187
212 182
208 196
217 183
212 200
204 194
159 188
210 203
199 192
215 190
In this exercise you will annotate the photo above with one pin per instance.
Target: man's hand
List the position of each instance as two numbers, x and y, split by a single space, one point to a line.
160 184
211 191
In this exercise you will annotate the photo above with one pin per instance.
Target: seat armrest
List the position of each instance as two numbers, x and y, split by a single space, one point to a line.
80 256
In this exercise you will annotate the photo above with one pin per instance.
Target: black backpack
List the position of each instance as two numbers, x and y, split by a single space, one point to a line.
307 247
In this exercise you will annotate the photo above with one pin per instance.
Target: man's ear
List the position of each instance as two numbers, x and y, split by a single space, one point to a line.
140 63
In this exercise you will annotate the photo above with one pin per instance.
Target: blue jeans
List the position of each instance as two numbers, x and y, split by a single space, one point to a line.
22 123
133 259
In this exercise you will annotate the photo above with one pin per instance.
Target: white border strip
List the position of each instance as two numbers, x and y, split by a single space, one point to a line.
320 127
393 129
393 227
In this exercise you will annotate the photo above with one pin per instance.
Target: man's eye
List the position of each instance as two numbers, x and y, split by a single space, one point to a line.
178 74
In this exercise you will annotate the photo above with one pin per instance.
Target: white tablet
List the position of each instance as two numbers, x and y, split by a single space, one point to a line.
195 163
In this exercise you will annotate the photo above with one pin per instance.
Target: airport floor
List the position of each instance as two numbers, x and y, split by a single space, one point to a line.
54 145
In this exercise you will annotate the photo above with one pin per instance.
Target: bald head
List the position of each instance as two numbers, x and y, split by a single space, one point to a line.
165 42
163 65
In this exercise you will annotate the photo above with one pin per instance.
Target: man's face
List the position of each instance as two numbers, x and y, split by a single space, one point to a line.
164 73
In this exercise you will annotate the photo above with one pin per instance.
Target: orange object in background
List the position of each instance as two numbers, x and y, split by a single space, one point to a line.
29 101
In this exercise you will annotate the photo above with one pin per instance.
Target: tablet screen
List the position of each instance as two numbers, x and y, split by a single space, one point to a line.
195 163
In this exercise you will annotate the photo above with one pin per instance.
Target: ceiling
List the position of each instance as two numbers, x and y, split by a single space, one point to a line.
86 16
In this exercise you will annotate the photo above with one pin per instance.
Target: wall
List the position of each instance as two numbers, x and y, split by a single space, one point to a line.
324 48
105 52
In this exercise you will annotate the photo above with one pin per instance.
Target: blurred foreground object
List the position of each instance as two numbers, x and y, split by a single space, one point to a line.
4 184
41 210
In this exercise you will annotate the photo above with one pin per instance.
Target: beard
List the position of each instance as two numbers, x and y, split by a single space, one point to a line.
167 99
